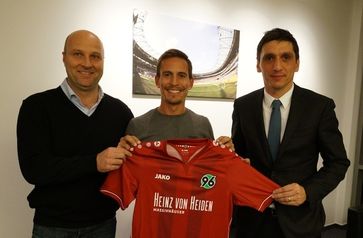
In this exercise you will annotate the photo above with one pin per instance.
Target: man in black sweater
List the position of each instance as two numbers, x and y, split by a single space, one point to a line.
67 142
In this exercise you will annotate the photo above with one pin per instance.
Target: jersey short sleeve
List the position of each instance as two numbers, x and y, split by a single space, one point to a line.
250 187
121 185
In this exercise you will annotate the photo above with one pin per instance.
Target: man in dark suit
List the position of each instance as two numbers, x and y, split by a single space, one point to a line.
307 126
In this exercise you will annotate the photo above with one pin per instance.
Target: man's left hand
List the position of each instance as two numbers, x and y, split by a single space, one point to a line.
226 141
292 195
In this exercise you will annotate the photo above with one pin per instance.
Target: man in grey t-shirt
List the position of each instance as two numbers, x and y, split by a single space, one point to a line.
171 120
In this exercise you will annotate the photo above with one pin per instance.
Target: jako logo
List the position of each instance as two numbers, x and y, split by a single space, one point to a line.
162 176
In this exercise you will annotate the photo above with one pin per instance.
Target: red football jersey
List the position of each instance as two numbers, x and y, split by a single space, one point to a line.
186 188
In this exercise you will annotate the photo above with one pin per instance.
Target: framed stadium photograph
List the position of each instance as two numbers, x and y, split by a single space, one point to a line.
213 51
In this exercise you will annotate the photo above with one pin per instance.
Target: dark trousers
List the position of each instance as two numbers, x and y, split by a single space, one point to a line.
105 229
249 223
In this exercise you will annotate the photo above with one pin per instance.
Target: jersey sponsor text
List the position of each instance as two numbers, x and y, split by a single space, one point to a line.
164 203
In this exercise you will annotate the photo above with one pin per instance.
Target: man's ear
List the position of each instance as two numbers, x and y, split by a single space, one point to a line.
191 83
258 66
157 81
297 65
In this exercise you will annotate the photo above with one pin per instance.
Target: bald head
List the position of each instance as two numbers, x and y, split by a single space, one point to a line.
84 36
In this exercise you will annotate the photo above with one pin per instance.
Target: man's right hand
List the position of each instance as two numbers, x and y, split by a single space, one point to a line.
111 158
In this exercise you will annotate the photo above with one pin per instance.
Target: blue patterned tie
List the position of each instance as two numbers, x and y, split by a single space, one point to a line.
274 130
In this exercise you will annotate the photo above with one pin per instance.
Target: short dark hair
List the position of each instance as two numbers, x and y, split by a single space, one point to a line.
279 35
174 53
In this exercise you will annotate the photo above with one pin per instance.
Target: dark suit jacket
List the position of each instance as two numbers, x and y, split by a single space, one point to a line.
311 129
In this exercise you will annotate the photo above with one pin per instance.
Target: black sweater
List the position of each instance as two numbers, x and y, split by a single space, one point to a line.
57 148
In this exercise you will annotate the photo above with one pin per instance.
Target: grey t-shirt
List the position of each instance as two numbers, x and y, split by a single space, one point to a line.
153 126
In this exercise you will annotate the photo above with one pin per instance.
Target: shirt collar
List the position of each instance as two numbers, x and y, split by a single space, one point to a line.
284 99
71 94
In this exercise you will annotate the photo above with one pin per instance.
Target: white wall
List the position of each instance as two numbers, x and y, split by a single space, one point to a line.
33 33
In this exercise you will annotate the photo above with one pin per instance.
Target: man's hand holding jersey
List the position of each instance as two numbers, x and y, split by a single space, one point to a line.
111 158
292 195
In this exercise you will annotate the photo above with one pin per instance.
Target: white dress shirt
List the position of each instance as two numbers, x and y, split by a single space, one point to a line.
285 108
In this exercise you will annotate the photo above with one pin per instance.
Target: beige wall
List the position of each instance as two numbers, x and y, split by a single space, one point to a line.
31 41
